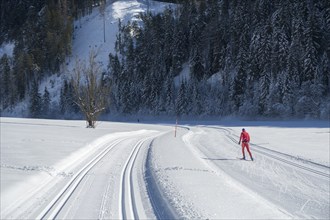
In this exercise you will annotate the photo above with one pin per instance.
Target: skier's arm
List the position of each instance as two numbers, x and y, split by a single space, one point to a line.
240 138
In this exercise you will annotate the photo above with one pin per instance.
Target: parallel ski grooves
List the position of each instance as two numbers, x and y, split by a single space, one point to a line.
262 150
127 202
56 205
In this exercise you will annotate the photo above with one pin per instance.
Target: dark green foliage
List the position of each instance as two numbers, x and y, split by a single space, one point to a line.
255 57
6 91
46 103
182 100
262 56
42 33
35 107
67 101
13 16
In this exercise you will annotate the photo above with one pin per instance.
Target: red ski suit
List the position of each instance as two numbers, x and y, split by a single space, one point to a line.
245 139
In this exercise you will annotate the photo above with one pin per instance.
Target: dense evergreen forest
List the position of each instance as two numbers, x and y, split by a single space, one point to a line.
246 58
254 58
42 32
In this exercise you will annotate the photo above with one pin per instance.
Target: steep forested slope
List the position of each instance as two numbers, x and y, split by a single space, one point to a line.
270 59
202 58
41 32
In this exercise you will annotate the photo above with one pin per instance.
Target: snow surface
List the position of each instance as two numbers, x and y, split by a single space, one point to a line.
7 48
194 175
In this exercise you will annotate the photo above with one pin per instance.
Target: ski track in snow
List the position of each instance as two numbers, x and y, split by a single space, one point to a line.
135 172
131 206
293 183
146 172
52 207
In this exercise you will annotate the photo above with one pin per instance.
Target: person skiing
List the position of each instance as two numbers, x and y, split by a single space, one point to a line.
245 138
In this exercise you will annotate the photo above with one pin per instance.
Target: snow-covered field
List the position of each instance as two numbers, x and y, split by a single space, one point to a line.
54 168
60 169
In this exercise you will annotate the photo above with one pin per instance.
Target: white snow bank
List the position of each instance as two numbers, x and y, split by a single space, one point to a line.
37 154
200 191
308 140
197 173
7 48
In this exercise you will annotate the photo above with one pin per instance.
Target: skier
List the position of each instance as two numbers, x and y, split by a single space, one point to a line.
245 138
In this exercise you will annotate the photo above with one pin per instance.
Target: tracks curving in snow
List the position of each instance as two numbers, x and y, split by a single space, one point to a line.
55 206
312 167
263 151
131 193
127 199
297 187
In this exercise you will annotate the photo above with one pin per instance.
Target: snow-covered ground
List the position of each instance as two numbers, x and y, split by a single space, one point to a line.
7 48
54 168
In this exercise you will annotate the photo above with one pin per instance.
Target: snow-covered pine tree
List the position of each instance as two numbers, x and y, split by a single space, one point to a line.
197 69
46 103
168 48
169 92
275 96
63 100
179 49
325 73
305 106
264 85
243 70
196 57
35 105
181 101
6 86
197 107
268 46
310 52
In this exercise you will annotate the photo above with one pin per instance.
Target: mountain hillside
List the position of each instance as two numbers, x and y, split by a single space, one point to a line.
216 58
91 31
268 59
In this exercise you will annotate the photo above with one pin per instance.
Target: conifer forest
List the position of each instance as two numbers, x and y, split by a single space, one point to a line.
212 58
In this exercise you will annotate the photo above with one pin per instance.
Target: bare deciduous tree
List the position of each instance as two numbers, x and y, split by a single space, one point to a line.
90 92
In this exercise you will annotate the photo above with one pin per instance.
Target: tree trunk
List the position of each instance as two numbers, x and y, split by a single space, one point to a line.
90 123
